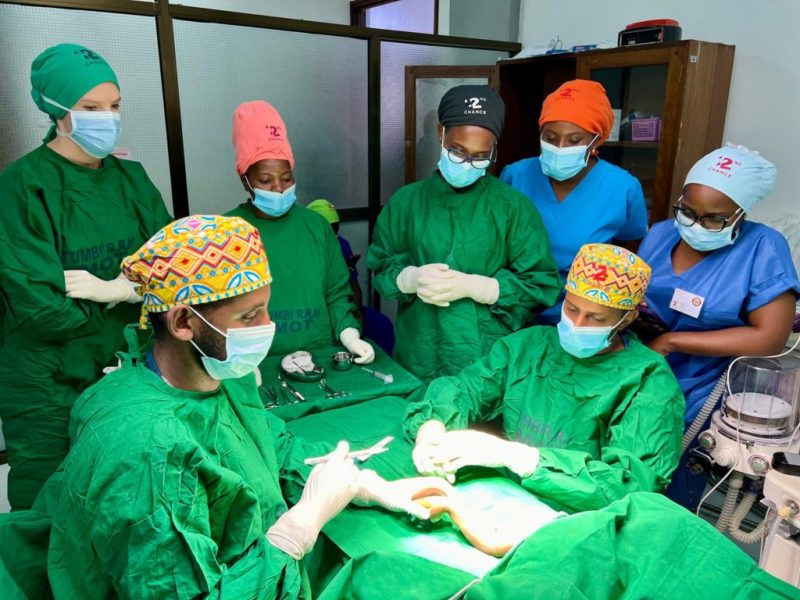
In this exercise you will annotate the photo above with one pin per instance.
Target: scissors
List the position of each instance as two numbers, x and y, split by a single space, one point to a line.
359 455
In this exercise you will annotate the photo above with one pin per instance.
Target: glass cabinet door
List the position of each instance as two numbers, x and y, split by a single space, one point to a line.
645 110
637 99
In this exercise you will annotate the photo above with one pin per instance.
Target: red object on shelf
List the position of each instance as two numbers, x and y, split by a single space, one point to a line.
653 31
653 23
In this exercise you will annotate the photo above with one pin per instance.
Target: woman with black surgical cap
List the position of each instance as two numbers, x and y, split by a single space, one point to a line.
466 256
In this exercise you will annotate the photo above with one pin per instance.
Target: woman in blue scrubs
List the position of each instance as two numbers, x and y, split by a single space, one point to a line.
582 199
721 286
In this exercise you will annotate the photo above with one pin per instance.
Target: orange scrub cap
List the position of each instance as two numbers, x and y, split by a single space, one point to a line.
583 103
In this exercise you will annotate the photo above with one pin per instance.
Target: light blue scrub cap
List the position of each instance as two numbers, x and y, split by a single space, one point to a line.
741 174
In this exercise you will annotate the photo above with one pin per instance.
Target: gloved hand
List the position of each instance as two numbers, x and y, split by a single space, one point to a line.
84 285
410 278
351 339
481 289
429 436
329 488
399 495
475 448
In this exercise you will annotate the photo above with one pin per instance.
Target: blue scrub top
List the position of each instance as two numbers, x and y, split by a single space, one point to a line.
734 281
606 206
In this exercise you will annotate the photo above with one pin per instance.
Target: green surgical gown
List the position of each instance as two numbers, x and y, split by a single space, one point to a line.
642 546
311 300
55 216
168 493
487 229
605 426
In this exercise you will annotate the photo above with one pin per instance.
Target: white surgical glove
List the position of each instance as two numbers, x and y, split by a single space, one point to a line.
351 339
84 285
409 278
399 495
457 449
429 436
423 280
481 289
329 488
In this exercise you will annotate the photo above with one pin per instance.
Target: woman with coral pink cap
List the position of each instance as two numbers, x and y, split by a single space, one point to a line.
312 302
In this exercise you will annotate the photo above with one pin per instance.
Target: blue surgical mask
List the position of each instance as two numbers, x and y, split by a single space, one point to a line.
703 240
95 132
274 204
245 347
563 163
459 175
583 342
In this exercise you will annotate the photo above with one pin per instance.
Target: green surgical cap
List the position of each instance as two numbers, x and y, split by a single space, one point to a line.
64 73
326 209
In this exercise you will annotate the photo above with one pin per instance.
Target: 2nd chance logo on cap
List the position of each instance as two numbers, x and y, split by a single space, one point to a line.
566 94
723 166
474 106
274 132
91 57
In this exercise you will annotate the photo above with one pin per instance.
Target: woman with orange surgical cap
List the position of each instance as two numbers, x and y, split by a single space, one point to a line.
312 302
581 197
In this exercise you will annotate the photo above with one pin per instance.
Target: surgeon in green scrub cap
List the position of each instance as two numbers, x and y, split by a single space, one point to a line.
69 212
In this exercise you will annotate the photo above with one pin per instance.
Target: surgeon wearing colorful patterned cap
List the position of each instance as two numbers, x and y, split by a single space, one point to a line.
589 413
604 286
173 485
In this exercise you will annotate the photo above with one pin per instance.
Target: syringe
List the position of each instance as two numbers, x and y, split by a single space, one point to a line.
382 376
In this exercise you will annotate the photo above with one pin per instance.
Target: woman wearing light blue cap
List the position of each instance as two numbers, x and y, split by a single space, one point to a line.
722 286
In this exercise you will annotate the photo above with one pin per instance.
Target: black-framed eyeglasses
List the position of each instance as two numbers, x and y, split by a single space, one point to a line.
686 216
477 162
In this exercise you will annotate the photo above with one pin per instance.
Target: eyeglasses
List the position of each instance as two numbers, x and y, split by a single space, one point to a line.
477 162
459 157
687 217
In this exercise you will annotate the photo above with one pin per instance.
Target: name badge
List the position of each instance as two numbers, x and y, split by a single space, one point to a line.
686 303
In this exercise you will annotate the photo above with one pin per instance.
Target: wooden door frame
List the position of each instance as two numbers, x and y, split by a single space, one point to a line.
415 72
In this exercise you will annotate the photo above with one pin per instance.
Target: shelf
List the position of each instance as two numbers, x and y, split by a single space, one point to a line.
652 145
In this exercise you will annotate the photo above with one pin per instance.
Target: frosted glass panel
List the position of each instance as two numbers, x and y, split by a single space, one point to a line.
403 15
130 46
319 85
394 58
